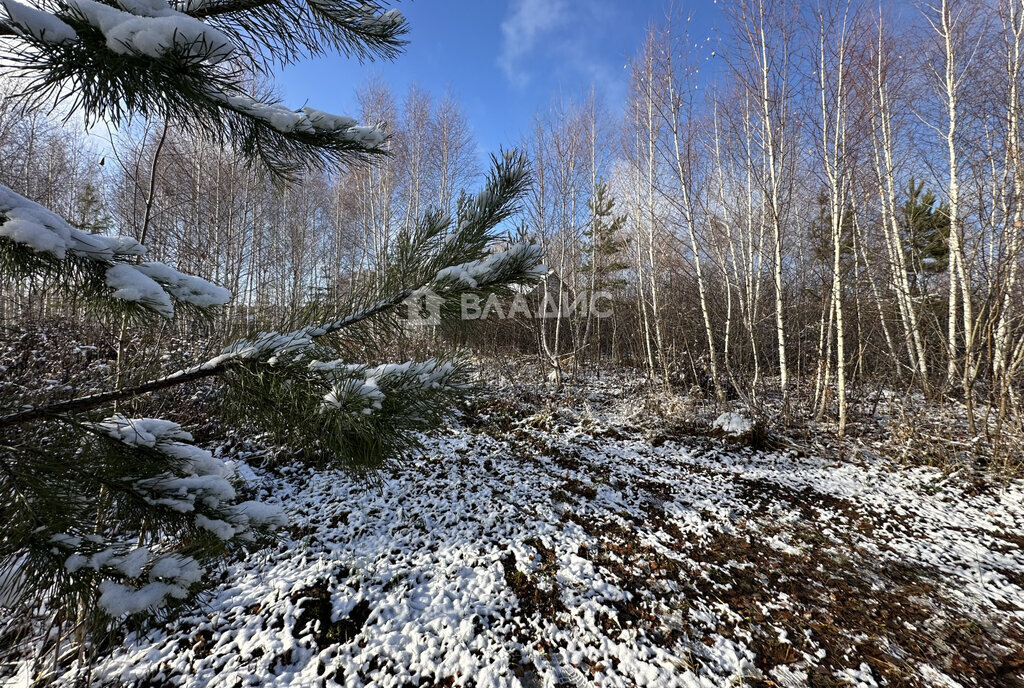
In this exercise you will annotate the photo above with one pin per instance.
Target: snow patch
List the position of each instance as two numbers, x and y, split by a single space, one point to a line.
732 424
40 25
153 29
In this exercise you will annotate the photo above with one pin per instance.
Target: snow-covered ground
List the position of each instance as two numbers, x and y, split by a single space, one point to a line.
547 544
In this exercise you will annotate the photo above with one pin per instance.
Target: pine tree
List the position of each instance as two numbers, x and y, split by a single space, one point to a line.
604 250
927 228
90 212
605 245
107 516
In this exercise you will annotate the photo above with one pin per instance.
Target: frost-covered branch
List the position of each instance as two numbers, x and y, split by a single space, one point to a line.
366 30
175 507
36 241
264 346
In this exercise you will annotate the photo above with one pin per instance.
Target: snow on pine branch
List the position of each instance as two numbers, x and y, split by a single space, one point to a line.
204 482
367 16
305 121
152 28
271 346
523 258
133 578
27 222
40 25
187 288
137 27
521 261
361 389
151 284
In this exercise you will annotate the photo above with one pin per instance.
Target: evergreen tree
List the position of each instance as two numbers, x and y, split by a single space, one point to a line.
821 237
90 212
107 516
927 228
605 244
603 250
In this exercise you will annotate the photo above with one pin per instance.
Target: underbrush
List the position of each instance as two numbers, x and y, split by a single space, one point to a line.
904 428
58 359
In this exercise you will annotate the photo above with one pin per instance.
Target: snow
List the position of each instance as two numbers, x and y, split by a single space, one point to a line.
33 225
357 387
185 570
206 479
131 284
274 345
259 513
666 562
861 677
198 483
132 563
38 24
649 560
152 284
325 121
733 423
222 529
305 121
153 29
139 27
105 248
366 391
144 432
186 288
117 599
490 269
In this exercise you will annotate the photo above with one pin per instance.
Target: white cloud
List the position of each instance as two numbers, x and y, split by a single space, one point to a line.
524 25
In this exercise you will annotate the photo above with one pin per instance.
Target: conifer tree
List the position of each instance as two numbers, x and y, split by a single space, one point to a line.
927 227
91 214
604 250
605 243
107 516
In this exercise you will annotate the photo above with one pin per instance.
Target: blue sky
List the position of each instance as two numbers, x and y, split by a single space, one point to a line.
502 59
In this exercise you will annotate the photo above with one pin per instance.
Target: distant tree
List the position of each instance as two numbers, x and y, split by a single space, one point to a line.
605 254
90 210
605 246
927 229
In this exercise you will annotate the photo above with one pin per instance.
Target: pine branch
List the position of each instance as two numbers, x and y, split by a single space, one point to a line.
216 366
427 260
196 81
360 29
215 9
139 509
101 270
